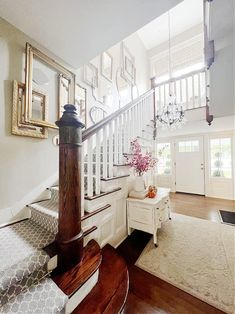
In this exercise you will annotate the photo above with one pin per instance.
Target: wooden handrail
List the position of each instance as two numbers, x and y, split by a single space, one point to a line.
95 128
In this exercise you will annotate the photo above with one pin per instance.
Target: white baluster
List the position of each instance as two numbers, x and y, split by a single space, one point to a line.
131 123
193 93
139 117
90 166
186 89
205 91
175 90
181 96
120 137
143 123
128 129
165 100
97 164
199 90
134 123
125 131
105 152
111 149
150 100
115 141
160 97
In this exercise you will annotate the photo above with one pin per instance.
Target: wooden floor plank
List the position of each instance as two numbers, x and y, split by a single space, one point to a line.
109 294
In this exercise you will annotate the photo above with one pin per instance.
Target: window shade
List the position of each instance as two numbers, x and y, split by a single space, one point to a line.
183 55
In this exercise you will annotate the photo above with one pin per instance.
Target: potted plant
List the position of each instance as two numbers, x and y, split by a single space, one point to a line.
141 163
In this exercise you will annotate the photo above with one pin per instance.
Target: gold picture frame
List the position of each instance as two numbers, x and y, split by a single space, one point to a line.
106 66
90 75
128 70
18 126
34 55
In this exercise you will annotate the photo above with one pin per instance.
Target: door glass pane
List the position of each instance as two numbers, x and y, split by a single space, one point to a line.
164 158
189 146
221 158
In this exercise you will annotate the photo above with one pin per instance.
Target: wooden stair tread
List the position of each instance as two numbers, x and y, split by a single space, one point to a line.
90 230
90 198
110 293
115 178
71 280
121 165
88 215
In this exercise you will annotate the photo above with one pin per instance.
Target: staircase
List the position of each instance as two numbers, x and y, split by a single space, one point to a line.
60 259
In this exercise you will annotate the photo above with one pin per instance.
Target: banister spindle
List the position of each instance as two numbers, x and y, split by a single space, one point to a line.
111 159
105 152
97 164
90 164
69 238
115 141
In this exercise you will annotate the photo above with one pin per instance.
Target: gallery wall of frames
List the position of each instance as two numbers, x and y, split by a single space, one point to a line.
114 78
100 87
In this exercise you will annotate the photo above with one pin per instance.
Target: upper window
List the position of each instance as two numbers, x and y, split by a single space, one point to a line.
186 57
221 158
189 146
164 158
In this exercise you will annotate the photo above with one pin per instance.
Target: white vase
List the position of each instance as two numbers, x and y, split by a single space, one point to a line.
139 185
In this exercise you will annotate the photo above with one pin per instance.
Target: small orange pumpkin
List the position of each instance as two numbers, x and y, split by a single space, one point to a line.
151 194
151 191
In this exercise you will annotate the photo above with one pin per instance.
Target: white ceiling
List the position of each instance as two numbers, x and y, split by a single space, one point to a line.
78 30
182 17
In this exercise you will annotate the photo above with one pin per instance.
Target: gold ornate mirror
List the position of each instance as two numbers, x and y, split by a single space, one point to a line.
52 81
18 125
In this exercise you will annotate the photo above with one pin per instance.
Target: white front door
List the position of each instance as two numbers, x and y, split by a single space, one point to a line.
190 165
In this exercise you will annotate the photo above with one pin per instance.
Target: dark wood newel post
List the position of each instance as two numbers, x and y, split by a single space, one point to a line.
69 238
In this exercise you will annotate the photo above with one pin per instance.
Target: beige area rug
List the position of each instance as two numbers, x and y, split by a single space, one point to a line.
197 256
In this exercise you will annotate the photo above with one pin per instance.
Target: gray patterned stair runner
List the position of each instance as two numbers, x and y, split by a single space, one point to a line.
22 259
42 298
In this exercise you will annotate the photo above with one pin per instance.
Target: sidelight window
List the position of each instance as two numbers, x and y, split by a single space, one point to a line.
164 158
221 157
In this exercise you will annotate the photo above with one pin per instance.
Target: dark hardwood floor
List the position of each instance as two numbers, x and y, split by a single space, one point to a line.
151 295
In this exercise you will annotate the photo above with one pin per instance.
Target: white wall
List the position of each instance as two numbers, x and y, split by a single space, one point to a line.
137 49
25 163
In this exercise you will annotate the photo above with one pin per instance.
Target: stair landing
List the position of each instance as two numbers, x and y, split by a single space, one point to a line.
110 293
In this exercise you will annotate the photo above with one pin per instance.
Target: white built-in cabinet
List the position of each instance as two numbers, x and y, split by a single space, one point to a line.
111 222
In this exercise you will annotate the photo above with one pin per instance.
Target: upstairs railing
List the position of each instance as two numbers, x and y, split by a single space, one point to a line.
105 143
189 89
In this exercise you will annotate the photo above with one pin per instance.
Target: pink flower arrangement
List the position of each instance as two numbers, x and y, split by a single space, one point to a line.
139 161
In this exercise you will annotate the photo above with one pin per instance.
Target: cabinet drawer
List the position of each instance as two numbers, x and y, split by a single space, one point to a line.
141 226
140 214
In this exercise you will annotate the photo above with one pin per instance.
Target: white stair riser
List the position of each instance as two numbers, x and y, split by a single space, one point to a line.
121 170
80 294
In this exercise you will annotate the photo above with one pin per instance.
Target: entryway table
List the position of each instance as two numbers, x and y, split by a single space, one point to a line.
149 213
